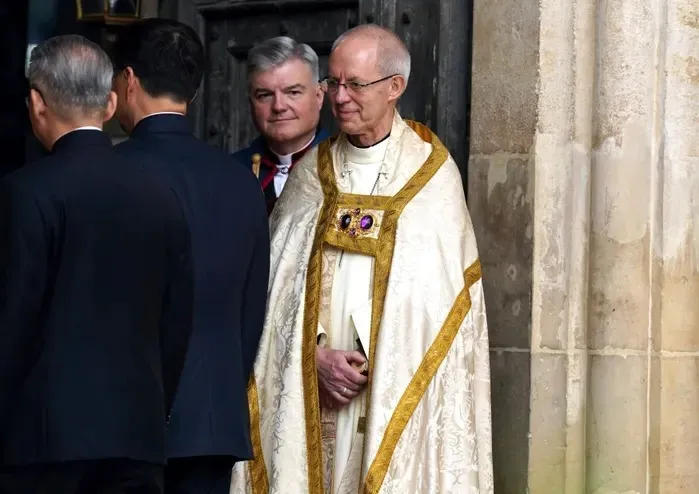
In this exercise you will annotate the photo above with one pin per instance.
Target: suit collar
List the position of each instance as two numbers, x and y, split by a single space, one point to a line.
80 139
321 135
162 122
258 145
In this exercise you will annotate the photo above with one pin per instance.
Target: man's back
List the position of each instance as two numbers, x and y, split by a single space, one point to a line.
230 244
95 289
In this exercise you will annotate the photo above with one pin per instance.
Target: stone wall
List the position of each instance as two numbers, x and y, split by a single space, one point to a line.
613 204
500 197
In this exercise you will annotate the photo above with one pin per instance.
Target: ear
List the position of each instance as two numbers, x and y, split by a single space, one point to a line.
37 105
111 107
131 80
320 96
396 88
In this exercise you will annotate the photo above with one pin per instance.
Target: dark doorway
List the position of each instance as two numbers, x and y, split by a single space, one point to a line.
437 33
14 121
24 25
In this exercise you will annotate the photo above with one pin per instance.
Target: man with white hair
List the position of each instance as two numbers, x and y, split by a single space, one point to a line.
95 295
373 370
285 101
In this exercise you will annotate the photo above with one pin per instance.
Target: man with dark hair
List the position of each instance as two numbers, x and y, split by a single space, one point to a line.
96 294
160 65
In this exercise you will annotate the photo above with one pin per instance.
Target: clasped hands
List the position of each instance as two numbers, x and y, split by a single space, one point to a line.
338 382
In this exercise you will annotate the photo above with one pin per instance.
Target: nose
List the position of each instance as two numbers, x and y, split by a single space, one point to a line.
341 95
279 103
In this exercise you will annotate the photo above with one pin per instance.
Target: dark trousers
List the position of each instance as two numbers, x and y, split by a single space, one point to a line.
83 477
199 475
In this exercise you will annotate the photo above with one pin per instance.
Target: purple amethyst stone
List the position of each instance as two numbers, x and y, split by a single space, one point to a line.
366 222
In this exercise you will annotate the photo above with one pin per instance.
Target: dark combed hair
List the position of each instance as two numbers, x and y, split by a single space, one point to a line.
167 57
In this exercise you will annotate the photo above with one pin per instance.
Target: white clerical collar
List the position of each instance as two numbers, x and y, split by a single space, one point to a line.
164 113
365 156
286 160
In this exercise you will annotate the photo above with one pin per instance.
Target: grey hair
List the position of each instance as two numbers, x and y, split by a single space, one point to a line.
394 57
73 75
277 51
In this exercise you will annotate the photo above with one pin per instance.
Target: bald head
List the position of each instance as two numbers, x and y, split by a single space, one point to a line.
392 56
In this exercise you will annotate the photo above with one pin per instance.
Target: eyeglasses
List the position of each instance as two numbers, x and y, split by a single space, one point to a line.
332 85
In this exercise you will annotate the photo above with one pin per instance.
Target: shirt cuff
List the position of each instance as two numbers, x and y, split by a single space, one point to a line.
321 337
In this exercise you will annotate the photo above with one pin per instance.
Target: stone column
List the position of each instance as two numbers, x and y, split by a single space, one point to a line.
500 194
615 315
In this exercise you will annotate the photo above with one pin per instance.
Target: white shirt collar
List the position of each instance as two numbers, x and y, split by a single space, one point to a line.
164 113
285 160
85 127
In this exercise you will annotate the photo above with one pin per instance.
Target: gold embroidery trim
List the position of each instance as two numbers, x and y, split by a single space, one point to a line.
364 202
418 385
314 455
343 241
364 241
257 467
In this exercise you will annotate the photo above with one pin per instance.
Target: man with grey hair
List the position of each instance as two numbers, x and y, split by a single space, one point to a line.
373 368
285 101
95 295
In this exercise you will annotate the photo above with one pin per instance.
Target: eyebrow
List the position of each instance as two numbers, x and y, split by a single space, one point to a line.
288 88
348 79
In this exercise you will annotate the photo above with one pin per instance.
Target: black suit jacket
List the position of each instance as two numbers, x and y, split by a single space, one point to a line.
230 241
95 306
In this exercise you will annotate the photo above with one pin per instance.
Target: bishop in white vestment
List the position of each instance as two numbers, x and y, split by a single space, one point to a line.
373 251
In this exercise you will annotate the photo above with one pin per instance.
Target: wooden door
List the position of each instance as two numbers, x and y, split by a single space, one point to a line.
230 29
437 33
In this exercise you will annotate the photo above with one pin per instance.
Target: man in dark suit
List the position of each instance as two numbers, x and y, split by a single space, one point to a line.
96 294
160 65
